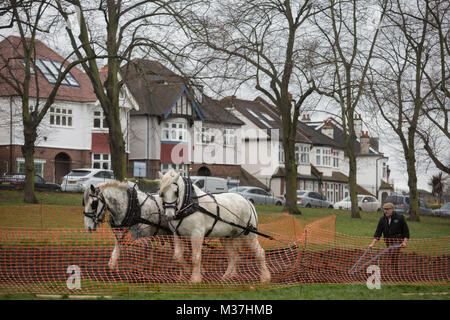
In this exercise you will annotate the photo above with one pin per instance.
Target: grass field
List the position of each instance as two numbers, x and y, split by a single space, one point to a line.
428 227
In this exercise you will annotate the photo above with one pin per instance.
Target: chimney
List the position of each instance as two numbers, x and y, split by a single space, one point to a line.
375 143
357 122
365 142
328 129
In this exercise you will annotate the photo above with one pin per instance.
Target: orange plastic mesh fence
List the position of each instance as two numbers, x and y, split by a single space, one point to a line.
46 250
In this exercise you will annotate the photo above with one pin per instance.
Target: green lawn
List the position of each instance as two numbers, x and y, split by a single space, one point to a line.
428 227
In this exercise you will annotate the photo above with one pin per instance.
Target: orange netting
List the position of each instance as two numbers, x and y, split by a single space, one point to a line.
46 250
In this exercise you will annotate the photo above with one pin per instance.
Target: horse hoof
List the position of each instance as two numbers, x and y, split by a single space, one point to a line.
229 276
265 277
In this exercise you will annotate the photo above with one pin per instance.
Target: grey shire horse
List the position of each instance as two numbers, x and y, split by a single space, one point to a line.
130 210
196 214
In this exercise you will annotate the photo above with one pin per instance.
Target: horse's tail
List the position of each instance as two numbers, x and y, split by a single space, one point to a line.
253 211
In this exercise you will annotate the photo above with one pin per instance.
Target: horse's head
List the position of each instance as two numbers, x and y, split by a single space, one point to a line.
169 192
94 208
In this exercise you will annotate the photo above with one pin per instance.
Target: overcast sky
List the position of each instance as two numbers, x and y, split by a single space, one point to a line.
388 141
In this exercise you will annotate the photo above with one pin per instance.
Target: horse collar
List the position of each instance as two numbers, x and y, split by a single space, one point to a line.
190 200
133 213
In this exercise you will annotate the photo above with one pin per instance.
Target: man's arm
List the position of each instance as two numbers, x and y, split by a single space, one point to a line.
378 233
405 235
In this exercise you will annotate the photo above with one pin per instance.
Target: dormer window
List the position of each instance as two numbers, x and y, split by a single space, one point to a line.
51 70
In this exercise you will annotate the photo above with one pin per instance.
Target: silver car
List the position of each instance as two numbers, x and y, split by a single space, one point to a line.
312 199
257 195
443 211
79 179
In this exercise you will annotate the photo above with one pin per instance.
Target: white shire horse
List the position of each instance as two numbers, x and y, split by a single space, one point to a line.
196 214
130 210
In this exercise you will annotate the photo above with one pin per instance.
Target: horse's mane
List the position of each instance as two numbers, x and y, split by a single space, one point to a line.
114 184
167 180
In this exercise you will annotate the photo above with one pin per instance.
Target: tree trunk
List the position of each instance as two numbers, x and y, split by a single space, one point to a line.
28 154
289 135
352 186
117 143
291 180
412 183
117 146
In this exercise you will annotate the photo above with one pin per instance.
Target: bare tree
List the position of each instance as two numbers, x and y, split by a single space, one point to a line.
398 78
264 44
435 135
20 73
346 51
117 30
437 183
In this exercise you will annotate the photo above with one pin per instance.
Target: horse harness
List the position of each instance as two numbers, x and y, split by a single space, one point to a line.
190 205
132 215
96 217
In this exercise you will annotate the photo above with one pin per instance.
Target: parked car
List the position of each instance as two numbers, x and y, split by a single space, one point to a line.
17 181
257 195
210 184
312 199
79 179
443 211
401 204
365 203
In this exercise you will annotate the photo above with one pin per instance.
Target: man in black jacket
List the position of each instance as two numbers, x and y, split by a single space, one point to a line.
395 230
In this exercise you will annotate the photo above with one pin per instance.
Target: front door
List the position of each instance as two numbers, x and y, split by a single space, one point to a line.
62 166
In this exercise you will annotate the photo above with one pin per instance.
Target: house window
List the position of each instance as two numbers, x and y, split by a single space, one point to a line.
301 154
280 153
326 157
177 167
336 159
323 157
101 161
318 157
100 120
38 166
61 117
330 192
257 116
205 136
174 131
229 137
51 70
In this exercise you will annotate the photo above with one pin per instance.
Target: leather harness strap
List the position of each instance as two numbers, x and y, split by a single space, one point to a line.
133 214
191 205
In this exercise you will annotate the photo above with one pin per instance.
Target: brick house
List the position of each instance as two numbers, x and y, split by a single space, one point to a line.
72 134
177 126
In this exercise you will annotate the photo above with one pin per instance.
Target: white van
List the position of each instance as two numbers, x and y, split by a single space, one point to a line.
210 184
